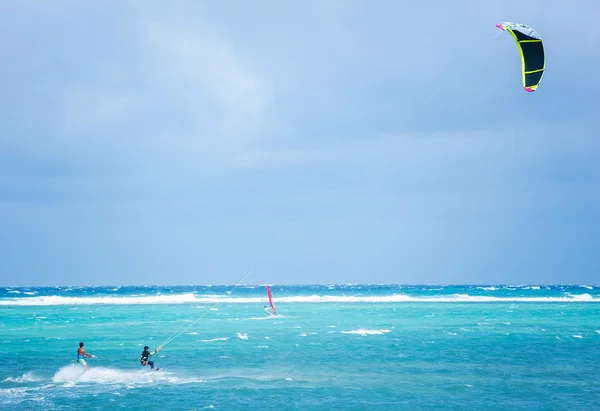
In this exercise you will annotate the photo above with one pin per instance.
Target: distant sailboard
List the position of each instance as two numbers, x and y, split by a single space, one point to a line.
270 294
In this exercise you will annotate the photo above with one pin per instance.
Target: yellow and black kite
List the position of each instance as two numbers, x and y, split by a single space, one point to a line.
533 61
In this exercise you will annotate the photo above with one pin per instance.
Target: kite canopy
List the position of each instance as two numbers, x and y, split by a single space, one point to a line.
533 61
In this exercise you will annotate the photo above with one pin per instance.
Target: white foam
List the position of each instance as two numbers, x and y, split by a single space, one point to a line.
364 332
27 377
57 300
577 336
588 287
582 297
193 333
597 331
191 298
215 339
75 374
242 336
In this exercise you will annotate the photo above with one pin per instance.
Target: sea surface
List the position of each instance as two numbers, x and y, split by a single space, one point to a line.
336 347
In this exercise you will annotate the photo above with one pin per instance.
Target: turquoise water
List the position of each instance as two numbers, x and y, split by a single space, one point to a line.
332 347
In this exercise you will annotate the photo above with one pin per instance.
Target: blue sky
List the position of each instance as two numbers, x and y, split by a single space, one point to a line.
315 142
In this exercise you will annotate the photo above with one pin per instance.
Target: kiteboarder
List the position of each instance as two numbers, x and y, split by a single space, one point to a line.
145 358
82 355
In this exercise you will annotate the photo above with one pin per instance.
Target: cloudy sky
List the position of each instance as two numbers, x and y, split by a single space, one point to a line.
188 142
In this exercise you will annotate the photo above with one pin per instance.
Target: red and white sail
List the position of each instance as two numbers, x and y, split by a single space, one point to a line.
270 294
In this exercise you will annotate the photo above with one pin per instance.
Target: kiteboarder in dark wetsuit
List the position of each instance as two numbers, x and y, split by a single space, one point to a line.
145 358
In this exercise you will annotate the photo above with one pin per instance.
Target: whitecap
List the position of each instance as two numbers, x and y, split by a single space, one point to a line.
242 336
577 336
363 332
215 339
25 378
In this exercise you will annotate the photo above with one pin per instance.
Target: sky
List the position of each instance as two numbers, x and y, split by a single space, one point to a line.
191 142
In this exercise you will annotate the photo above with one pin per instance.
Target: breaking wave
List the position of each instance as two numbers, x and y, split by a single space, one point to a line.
213 299
25 378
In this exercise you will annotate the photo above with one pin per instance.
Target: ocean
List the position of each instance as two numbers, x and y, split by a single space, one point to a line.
332 347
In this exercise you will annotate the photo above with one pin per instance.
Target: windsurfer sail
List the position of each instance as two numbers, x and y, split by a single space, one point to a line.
270 295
